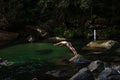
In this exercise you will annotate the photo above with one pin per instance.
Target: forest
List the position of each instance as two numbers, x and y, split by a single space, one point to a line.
59 40
63 18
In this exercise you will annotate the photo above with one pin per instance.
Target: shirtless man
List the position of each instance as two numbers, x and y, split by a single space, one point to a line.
69 45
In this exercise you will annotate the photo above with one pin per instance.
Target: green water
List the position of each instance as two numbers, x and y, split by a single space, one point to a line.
34 51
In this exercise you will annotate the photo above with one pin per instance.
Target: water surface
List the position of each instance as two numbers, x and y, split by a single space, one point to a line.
34 51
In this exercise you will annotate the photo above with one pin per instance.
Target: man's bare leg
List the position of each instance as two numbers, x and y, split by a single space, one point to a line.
74 51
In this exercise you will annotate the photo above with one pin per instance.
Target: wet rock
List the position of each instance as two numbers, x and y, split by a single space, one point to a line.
6 63
103 75
116 69
110 73
96 65
79 59
86 73
114 77
83 74
57 73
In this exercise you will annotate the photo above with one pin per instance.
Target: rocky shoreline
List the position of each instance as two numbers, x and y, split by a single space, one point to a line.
76 68
72 69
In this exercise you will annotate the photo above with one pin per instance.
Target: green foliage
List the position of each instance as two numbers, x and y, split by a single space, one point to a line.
59 31
68 33
74 33
85 4
15 15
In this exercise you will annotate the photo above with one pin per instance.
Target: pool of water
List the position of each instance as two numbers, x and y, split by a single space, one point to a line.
35 59
47 51
34 51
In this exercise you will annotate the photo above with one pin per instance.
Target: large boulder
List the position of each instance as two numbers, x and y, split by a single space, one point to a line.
86 73
96 65
110 73
101 45
104 74
83 74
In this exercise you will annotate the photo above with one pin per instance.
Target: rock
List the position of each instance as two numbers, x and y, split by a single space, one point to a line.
116 69
42 32
7 37
86 73
83 74
111 72
96 65
101 45
79 59
4 35
114 77
104 74
56 38
34 79
76 58
6 63
57 73
110 44
30 38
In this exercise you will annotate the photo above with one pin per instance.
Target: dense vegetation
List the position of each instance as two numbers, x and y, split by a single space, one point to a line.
66 18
